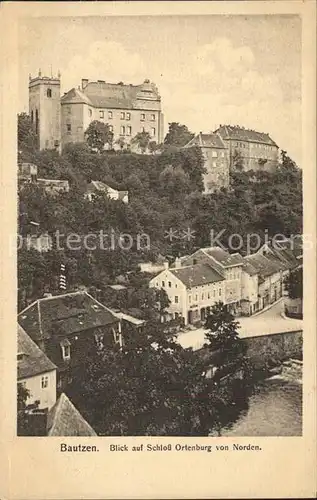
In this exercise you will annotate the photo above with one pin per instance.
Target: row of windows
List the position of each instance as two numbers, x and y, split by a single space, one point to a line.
233 275
124 115
254 145
169 284
124 130
204 296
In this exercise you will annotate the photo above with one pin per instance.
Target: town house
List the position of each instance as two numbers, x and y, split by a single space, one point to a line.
192 290
35 372
64 326
229 266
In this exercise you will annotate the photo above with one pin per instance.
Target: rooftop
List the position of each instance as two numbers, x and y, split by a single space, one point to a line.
31 360
102 94
224 258
264 265
240 133
65 420
196 275
211 140
63 315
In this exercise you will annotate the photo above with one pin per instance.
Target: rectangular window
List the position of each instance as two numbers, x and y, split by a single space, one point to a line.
49 92
176 299
196 298
152 118
122 115
169 284
101 114
110 115
153 131
129 130
111 128
214 154
128 116
214 293
163 284
65 349
208 295
122 130
222 154
68 128
189 298
44 382
202 296
142 117
219 292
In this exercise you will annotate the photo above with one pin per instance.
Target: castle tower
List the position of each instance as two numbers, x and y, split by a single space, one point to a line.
45 110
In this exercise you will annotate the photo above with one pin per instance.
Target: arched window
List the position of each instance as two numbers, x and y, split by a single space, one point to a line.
49 92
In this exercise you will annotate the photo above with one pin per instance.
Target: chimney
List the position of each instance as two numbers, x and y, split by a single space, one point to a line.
166 264
84 83
178 263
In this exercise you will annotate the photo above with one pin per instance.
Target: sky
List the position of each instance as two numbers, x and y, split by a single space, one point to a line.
210 70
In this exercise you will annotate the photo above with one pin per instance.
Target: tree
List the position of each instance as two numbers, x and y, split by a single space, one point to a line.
178 135
231 369
294 284
141 141
27 138
97 135
121 143
153 147
237 161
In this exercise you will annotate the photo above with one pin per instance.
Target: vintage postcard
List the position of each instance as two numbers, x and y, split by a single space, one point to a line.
158 260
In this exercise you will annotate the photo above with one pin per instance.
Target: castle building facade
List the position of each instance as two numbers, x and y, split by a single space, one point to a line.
216 160
256 149
127 109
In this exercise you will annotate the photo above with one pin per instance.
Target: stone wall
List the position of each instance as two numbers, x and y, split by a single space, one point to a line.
272 347
277 347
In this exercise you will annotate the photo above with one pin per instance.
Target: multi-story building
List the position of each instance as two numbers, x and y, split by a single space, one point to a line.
256 149
64 326
36 372
127 109
192 290
216 157
229 266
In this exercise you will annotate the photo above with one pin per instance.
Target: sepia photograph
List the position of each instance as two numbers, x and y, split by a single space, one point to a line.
160 231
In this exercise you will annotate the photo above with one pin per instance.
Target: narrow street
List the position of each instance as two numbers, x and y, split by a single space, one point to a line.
268 322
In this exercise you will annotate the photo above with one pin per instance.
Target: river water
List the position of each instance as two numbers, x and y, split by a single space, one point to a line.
275 409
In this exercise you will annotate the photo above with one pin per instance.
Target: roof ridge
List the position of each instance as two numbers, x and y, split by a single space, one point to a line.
58 407
62 295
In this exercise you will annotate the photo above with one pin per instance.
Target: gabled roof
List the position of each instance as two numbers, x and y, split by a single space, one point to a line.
63 315
75 96
229 132
102 94
264 266
65 420
196 275
224 258
249 268
210 140
31 359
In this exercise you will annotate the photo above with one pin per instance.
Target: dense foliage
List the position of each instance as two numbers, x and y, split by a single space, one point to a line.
155 387
294 284
165 194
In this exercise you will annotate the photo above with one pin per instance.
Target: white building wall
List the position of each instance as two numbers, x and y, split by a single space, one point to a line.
47 395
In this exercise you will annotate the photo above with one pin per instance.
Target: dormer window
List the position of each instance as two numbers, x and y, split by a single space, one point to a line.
116 335
49 92
65 346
